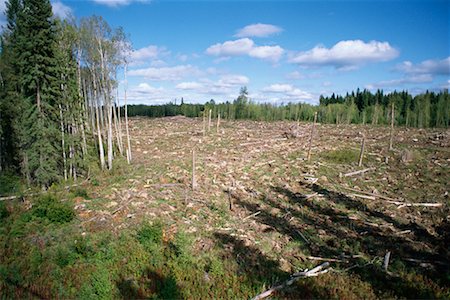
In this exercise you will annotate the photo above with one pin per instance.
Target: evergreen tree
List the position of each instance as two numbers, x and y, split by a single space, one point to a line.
39 86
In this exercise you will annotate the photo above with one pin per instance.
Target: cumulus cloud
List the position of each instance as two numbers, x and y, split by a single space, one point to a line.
61 10
117 3
145 93
245 46
258 30
231 48
346 54
149 53
225 85
288 92
232 80
431 66
166 73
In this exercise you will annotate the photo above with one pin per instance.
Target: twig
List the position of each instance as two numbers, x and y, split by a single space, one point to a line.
358 172
321 269
364 196
303 237
252 215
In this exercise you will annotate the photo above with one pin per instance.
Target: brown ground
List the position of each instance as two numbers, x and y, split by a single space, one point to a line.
291 210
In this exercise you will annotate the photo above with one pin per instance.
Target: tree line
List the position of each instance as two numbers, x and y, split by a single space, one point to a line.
59 108
425 110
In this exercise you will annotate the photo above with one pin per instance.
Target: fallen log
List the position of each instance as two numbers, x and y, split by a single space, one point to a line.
321 269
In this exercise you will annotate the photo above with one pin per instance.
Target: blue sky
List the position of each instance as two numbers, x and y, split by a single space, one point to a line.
283 51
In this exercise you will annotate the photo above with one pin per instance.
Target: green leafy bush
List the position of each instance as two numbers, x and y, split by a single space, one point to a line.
150 234
4 213
48 207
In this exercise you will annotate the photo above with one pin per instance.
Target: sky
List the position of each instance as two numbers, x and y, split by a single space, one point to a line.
282 51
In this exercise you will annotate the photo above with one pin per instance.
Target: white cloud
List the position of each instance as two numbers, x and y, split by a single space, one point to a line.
245 46
232 80
415 79
295 75
149 53
166 73
272 53
278 88
117 3
288 92
145 88
189 86
435 67
346 54
258 30
145 93
182 57
231 48
225 85
61 10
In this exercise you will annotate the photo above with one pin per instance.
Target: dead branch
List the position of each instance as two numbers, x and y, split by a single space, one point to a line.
358 172
364 196
252 215
321 269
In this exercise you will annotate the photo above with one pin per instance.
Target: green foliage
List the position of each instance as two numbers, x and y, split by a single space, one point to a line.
341 156
81 192
55 211
150 234
424 110
10 183
98 286
4 213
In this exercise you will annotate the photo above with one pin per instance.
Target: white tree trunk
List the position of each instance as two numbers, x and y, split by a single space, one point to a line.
129 157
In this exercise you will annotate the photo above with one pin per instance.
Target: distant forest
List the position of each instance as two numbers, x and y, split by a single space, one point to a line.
425 110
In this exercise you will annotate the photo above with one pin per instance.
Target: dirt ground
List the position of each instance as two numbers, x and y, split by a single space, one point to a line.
256 189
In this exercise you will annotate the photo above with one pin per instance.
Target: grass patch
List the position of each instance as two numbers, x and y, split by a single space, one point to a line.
341 156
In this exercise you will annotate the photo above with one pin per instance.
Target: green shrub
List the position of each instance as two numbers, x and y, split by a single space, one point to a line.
81 192
10 183
48 207
150 234
99 285
4 213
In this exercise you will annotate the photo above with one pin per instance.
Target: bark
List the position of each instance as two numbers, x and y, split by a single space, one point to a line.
129 157
63 143
99 134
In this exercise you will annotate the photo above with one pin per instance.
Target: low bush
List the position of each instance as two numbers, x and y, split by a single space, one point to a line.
55 211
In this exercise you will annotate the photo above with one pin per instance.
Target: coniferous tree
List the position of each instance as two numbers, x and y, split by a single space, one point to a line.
39 87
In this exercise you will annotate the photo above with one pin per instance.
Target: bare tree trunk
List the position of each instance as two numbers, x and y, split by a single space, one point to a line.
392 127
218 122
311 137
63 143
110 138
116 129
108 107
126 118
72 151
361 154
119 123
209 120
99 134
194 182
